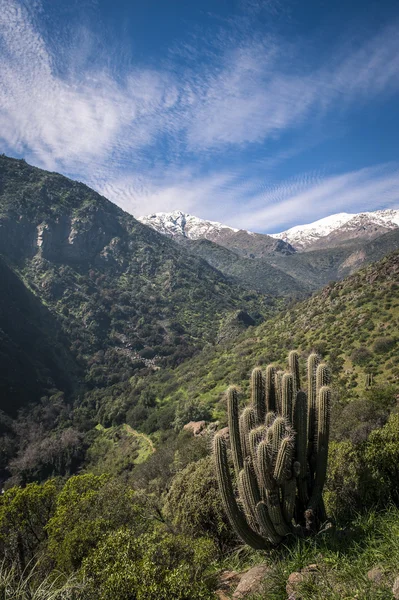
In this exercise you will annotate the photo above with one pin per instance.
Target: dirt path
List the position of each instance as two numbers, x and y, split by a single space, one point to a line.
135 433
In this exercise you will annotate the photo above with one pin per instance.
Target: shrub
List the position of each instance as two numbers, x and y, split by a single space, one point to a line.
342 490
88 508
383 345
365 475
361 356
190 410
155 566
193 504
24 513
381 455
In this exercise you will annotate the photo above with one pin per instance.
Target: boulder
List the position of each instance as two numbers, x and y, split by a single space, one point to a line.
227 581
251 582
196 427
376 576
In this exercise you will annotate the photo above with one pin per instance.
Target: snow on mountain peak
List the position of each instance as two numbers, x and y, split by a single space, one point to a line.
302 236
180 224
177 223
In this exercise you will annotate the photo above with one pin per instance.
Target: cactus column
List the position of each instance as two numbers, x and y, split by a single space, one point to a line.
279 447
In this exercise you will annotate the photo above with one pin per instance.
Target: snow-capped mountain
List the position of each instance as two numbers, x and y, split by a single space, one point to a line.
177 223
329 231
186 228
339 228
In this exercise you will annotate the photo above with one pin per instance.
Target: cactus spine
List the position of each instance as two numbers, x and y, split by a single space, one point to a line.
234 430
293 363
258 394
279 448
235 515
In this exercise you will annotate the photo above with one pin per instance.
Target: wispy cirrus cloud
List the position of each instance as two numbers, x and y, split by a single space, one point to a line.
147 137
253 205
307 199
66 122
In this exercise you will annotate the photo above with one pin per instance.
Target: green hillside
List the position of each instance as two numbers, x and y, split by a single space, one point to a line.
352 323
253 273
124 297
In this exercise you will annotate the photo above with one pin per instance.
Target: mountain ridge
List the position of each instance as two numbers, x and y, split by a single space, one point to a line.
300 237
123 297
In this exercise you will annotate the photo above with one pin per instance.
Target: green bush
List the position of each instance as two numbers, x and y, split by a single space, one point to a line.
190 410
24 513
88 508
342 493
383 345
381 455
194 506
361 356
155 566
365 475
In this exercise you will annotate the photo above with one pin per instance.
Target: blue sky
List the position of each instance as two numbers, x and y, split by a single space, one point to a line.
259 114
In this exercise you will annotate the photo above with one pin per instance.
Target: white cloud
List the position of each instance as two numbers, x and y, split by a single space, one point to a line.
255 96
67 122
252 92
251 204
306 200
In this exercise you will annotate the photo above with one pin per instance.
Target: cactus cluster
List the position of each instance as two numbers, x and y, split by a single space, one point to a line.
279 447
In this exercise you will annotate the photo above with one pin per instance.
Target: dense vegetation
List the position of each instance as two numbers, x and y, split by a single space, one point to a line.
353 324
119 297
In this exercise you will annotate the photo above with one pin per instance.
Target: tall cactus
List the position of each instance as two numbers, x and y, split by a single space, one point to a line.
279 447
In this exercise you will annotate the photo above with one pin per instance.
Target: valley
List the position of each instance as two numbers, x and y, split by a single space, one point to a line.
114 336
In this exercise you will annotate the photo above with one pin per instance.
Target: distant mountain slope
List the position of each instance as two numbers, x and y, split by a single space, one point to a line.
318 267
124 296
256 274
339 228
353 323
327 249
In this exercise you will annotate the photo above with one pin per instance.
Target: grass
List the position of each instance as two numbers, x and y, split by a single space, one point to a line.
343 560
30 584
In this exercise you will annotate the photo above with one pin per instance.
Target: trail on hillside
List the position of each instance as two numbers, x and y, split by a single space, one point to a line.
135 433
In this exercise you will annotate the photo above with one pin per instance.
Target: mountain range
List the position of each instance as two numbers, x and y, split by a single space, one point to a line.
326 232
290 263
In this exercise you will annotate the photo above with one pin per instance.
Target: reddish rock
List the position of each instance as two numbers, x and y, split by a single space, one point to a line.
228 580
224 432
196 427
251 582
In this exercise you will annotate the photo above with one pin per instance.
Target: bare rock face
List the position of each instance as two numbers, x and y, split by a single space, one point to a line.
73 239
251 582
